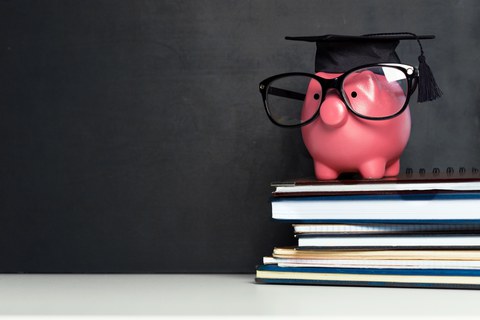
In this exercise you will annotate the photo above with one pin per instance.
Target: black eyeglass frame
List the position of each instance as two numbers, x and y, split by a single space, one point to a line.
410 72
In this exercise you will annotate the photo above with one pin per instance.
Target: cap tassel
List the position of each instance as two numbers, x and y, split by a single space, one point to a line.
428 89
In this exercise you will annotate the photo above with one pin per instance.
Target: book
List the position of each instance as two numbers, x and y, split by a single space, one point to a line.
375 263
357 254
385 228
419 182
417 241
454 207
376 277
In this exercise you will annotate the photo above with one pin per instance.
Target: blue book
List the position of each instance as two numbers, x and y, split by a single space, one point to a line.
455 207
376 277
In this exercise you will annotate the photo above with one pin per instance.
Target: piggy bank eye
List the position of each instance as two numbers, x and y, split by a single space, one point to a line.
316 96
354 94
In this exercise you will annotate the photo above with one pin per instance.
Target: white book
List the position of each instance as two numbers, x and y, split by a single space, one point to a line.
363 208
372 228
377 254
421 181
410 241
400 264
424 186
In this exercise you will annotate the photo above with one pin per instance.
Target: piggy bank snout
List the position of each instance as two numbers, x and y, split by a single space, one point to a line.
333 111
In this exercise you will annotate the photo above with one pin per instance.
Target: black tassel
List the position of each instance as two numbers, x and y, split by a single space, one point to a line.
428 89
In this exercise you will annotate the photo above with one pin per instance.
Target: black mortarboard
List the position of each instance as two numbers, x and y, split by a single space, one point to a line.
340 53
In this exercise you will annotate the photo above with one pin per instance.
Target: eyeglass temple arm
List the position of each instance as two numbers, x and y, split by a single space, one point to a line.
286 93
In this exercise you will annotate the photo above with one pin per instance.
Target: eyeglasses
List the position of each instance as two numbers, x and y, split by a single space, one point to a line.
373 92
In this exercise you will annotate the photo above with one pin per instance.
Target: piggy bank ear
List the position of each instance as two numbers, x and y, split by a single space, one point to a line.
375 93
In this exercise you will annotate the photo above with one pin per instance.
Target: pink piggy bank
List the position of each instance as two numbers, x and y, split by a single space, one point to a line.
341 141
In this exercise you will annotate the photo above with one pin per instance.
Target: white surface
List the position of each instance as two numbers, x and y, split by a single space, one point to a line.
221 295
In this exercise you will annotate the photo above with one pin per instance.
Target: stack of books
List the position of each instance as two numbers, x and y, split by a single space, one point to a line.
415 230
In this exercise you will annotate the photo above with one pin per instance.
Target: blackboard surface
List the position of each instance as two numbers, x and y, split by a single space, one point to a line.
133 136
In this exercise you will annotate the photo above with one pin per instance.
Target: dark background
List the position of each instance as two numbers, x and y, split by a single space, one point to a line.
133 136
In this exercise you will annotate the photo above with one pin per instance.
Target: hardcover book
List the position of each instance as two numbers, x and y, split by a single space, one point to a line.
372 277
453 207
434 182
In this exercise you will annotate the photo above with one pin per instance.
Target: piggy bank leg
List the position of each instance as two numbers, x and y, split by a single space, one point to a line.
373 169
323 172
393 169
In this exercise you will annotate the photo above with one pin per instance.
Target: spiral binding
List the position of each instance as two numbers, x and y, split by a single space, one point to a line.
449 171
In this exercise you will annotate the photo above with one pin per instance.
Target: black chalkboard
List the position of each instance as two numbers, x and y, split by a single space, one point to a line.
133 136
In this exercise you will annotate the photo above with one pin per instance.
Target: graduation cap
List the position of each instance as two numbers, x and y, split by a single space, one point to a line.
340 53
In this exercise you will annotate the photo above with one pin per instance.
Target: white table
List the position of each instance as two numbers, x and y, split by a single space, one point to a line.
221 295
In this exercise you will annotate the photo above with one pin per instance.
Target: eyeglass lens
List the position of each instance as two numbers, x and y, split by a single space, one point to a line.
374 92
286 97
